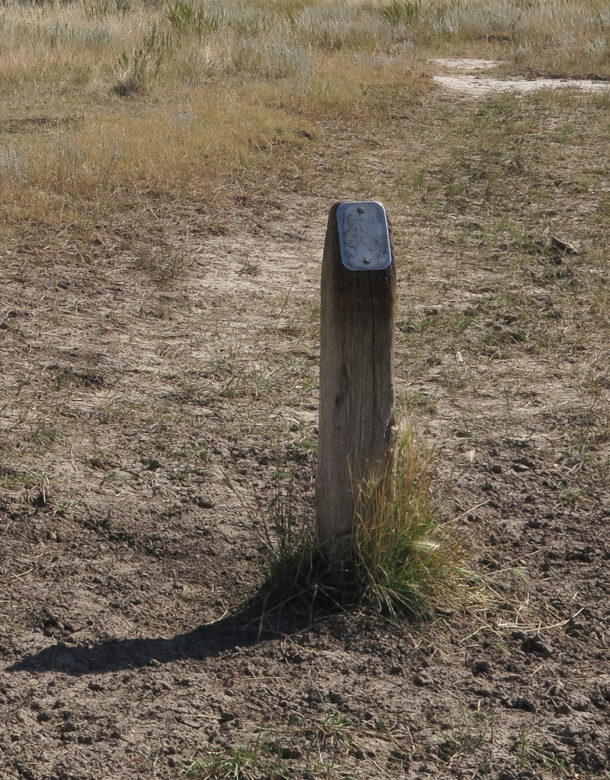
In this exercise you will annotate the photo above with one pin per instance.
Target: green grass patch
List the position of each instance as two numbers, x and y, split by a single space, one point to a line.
329 745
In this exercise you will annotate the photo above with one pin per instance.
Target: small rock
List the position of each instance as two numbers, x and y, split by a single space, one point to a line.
314 696
570 732
584 554
289 753
226 716
480 667
578 701
535 644
422 679
560 245
522 703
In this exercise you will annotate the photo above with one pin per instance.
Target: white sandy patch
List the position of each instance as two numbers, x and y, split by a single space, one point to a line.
462 64
477 85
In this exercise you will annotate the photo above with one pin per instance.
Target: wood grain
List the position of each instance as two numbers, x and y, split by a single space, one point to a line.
356 427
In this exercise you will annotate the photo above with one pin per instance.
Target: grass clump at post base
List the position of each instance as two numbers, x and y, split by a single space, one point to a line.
404 562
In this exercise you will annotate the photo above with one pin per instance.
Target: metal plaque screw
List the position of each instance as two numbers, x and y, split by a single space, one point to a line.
364 239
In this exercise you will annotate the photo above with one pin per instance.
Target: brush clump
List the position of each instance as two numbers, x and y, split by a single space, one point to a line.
403 561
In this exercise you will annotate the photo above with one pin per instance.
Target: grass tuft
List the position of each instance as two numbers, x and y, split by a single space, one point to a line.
403 562
296 573
138 68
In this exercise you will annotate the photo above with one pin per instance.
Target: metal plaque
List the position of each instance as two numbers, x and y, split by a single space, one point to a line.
364 236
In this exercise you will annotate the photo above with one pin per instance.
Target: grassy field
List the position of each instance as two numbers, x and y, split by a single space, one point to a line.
166 169
113 105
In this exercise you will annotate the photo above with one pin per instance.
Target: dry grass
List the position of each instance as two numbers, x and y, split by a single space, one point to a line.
405 560
107 103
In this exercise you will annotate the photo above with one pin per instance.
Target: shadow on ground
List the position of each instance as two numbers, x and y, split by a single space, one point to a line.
243 629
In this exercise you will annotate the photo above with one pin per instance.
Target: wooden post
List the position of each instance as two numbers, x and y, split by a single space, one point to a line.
356 428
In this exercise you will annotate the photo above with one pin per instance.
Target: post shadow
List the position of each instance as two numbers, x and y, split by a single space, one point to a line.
243 629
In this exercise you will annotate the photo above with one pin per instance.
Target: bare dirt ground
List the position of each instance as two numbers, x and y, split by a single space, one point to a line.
159 382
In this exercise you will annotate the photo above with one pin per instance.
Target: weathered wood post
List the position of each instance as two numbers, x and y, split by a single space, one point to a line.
356 428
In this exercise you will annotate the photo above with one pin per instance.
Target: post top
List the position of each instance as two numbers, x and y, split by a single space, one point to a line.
364 236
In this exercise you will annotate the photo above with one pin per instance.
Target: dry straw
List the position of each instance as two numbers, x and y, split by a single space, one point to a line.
404 561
